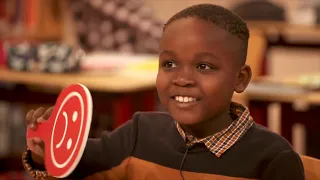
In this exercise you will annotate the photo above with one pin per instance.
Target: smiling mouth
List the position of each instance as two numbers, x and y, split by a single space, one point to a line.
184 99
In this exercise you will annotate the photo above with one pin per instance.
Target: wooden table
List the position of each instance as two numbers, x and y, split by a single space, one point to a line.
298 104
116 90
307 80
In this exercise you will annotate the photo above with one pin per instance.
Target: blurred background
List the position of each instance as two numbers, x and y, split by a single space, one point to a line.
111 47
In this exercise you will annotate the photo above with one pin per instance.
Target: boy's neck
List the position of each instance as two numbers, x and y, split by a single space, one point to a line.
209 127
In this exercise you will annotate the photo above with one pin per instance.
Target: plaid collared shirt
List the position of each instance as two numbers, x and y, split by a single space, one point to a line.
223 140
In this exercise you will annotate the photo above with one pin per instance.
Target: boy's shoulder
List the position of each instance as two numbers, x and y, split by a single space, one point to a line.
269 150
261 137
153 117
153 114
154 122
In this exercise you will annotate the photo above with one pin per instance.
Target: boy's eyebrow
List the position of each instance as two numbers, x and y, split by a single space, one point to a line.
197 55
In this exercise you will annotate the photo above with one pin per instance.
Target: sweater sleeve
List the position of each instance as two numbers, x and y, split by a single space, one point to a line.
107 151
287 165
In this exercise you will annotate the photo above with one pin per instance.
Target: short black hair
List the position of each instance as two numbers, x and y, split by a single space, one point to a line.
221 17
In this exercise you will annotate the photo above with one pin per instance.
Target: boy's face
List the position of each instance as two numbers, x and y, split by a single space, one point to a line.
199 69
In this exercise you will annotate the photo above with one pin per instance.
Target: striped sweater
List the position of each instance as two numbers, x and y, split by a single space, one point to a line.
150 147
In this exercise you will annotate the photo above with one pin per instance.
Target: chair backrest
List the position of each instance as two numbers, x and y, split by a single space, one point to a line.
260 10
257 48
311 167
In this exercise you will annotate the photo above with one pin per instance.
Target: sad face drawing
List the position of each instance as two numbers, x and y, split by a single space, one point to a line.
63 140
66 131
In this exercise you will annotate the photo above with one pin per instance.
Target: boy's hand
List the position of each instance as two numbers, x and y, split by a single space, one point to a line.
36 145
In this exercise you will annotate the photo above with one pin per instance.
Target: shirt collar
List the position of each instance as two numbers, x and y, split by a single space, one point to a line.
221 141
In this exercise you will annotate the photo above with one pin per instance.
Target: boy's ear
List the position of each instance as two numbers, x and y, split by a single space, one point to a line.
243 78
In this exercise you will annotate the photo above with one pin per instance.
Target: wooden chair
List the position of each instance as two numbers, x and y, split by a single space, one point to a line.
311 167
257 47
260 11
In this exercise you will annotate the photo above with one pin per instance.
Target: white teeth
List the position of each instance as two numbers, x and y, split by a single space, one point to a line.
184 99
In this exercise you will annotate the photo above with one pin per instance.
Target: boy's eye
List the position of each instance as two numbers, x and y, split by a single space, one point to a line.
169 64
204 67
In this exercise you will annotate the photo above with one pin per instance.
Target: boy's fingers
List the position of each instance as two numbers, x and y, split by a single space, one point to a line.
30 144
29 120
38 113
40 120
35 145
33 123
41 144
47 113
29 116
37 140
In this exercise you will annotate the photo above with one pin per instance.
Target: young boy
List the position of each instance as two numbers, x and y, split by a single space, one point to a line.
204 135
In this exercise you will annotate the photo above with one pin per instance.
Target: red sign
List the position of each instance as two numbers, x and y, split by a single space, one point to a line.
66 132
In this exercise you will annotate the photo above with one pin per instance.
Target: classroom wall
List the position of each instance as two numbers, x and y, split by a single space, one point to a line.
300 60
164 9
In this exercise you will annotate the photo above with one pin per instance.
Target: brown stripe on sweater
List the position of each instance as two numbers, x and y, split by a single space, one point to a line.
137 169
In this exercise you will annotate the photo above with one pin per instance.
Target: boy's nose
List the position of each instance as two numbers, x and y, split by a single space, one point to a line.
183 81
